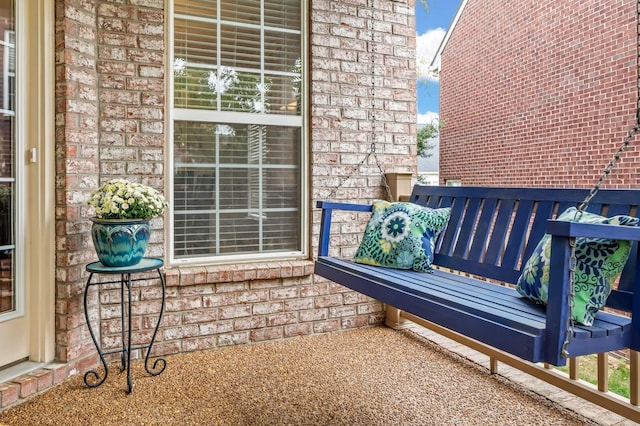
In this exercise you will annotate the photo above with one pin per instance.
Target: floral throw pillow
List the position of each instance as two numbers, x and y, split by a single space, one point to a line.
401 235
599 262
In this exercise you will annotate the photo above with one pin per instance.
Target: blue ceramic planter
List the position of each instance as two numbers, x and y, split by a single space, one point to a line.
120 242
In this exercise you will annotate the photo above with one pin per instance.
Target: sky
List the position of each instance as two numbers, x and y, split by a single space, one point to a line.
431 26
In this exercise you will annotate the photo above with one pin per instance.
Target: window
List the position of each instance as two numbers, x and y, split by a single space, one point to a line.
9 293
237 130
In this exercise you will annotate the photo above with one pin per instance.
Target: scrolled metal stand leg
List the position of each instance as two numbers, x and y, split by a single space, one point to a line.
93 373
129 380
125 348
156 369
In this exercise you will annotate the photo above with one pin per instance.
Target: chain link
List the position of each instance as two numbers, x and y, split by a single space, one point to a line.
373 120
373 133
570 323
611 165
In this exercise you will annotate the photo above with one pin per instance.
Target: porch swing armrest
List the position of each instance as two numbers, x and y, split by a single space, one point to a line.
557 300
593 230
325 223
559 279
332 205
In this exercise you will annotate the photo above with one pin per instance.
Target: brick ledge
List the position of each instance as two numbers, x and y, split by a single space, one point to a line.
25 386
194 275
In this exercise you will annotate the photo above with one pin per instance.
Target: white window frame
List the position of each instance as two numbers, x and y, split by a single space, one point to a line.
300 121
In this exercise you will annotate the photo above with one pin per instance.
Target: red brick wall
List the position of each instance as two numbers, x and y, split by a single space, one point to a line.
110 121
539 93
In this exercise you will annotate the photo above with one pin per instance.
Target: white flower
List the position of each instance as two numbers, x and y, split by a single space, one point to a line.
121 199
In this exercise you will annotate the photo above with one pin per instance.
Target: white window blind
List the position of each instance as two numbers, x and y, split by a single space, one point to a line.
237 184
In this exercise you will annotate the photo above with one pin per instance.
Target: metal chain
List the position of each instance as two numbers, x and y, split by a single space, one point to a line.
373 120
372 135
610 166
570 324
572 241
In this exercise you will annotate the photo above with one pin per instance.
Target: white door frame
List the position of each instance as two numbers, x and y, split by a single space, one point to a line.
33 332
40 135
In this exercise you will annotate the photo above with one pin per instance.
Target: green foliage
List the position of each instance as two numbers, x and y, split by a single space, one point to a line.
5 193
619 375
425 134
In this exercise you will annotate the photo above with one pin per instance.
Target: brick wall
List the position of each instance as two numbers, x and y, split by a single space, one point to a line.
342 104
211 307
110 122
539 93
77 168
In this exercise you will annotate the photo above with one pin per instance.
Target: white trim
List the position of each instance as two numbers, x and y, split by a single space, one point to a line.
240 258
40 134
20 141
223 117
234 23
168 134
436 61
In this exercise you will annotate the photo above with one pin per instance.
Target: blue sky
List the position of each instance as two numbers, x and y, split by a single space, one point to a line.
431 26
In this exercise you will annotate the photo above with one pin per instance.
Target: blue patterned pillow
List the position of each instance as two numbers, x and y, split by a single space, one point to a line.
401 235
599 262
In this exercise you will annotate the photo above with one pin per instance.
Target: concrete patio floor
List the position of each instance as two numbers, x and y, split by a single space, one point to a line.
372 376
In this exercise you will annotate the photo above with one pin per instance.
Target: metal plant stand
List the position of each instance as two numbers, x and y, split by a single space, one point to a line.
92 377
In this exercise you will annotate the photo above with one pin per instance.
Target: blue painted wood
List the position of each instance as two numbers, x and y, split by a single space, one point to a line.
482 230
499 234
491 233
325 222
635 307
518 234
558 309
466 228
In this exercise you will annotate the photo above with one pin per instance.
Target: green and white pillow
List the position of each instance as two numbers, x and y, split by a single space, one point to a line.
599 262
401 235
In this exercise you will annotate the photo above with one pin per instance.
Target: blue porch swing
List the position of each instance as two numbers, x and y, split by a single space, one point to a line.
476 283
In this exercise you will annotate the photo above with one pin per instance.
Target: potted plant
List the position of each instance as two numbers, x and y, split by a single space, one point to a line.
121 229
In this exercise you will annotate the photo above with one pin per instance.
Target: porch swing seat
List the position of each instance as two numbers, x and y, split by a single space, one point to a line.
491 232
